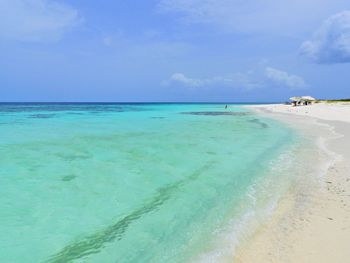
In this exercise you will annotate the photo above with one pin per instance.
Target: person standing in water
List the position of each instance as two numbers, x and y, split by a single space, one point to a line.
226 107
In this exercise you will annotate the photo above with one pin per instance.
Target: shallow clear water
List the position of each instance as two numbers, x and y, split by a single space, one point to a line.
129 182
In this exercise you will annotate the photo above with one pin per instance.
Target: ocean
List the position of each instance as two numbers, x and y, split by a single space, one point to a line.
133 183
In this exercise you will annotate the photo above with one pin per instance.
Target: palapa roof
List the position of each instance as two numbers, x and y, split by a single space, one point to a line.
308 98
303 98
295 98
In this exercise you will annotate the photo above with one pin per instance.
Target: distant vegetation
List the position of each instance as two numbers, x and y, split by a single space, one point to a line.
333 101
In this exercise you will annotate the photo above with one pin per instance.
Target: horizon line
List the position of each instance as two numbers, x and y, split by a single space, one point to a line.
145 102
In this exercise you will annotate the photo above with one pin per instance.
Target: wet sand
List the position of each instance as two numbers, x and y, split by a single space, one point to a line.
311 223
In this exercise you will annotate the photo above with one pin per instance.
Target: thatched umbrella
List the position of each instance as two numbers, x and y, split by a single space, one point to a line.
295 98
308 98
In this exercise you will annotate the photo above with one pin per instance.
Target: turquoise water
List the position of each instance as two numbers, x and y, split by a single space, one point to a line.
129 182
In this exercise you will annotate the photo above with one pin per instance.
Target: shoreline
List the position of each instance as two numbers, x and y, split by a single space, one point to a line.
311 222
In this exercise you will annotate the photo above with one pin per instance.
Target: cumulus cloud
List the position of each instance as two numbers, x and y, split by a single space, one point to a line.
285 79
237 80
331 42
274 16
246 81
190 82
36 20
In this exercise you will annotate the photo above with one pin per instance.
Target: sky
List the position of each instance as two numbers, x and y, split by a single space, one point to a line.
174 50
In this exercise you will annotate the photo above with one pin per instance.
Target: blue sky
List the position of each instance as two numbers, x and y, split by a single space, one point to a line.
173 50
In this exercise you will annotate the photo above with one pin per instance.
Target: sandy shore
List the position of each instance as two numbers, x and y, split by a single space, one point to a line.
311 223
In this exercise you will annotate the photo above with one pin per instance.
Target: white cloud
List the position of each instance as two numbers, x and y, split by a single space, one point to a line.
331 42
35 20
274 16
285 79
189 82
253 79
237 80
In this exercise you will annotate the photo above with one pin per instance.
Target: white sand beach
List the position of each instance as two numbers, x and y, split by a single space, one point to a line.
311 223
